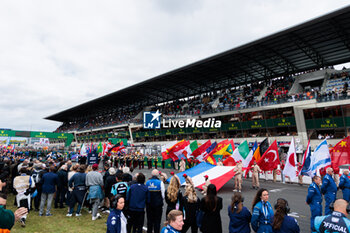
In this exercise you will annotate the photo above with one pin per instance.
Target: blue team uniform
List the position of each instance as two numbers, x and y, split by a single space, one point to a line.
329 190
314 200
344 184
335 222
262 217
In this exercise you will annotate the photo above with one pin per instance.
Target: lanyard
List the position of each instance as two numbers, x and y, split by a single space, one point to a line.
265 211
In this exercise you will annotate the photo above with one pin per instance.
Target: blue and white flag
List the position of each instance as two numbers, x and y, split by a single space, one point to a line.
306 168
320 158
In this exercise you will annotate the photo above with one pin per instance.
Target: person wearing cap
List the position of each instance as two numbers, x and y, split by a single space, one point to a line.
255 177
154 207
94 181
108 184
344 185
188 180
205 186
238 176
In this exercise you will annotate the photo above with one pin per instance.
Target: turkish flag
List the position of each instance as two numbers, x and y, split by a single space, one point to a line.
270 158
176 151
340 154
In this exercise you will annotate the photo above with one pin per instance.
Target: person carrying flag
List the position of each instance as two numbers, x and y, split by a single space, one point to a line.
238 176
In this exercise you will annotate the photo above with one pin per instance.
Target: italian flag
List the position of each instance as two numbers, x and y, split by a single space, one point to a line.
241 153
190 148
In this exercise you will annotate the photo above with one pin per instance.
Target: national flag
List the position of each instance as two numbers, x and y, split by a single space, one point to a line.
83 151
229 162
320 158
200 152
270 158
264 145
176 151
290 168
340 154
306 166
226 151
165 148
209 157
100 148
250 158
117 147
220 146
218 175
107 148
241 153
190 148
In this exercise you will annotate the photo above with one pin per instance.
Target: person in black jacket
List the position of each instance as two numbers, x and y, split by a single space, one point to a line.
109 182
173 195
211 205
62 186
190 208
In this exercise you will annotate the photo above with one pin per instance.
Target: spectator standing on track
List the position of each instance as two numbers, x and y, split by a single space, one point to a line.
94 181
211 206
239 215
190 208
23 184
77 183
49 181
173 195
137 198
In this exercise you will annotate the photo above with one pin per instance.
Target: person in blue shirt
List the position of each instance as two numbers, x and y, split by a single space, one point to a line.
155 206
329 190
335 222
137 198
116 222
282 223
262 212
49 181
77 182
239 215
174 222
314 200
344 185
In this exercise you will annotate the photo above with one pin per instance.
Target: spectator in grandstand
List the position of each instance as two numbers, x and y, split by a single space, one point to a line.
211 206
117 222
94 181
62 186
155 205
173 195
282 223
262 215
77 183
190 207
239 215
137 198
49 181
23 184
174 222
7 217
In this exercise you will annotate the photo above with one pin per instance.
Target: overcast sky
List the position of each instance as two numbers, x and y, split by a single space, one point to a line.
58 54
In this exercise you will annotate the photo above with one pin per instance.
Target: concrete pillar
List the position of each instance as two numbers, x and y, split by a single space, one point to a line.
301 126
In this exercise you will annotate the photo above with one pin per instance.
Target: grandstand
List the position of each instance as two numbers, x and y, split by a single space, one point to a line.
279 86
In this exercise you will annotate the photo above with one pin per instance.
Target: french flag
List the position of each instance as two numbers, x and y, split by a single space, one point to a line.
218 175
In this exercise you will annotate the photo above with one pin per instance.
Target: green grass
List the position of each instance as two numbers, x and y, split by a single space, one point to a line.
58 222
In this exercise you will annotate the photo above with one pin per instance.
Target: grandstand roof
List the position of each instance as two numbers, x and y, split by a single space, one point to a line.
324 41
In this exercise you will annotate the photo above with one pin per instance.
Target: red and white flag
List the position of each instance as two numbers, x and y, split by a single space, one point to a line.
270 158
290 168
